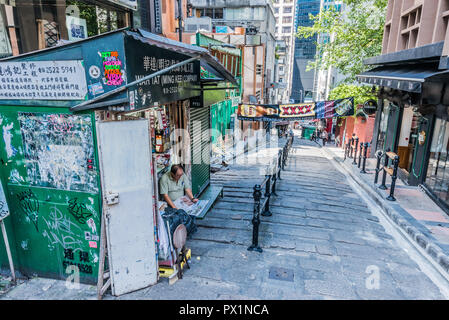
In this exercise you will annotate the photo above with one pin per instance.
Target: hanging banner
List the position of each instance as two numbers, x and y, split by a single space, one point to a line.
335 108
258 112
298 111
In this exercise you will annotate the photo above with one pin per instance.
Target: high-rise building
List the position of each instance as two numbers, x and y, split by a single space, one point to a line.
304 51
284 11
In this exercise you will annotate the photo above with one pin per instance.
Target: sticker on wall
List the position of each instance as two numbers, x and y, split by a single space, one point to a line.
94 72
92 244
96 88
112 68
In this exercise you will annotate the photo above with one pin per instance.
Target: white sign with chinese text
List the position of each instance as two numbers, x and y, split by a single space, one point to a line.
42 80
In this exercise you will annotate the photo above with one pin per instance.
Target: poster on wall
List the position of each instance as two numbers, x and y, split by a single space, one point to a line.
43 80
76 28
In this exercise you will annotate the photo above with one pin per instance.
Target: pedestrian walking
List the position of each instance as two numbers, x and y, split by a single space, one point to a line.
324 136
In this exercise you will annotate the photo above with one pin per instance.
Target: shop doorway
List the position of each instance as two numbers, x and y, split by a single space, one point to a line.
419 164
125 161
394 114
407 139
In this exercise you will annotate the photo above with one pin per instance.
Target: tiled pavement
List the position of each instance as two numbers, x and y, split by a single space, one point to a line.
320 231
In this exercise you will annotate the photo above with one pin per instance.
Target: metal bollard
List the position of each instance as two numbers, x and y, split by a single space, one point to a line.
346 152
393 179
273 190
365 153
355 151
384 177
351 147
360 154
257 194
379 158
266 210
279 164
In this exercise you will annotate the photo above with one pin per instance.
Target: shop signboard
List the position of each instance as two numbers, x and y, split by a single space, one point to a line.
178 84
43 80
370 107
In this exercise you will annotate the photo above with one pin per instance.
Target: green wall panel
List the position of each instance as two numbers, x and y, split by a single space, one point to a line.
49 170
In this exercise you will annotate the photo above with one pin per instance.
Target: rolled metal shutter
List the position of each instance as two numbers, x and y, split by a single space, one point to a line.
200 147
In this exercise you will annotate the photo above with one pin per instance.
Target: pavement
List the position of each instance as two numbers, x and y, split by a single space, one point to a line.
322 242
413 211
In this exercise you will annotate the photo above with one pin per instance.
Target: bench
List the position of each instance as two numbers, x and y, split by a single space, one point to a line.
393 172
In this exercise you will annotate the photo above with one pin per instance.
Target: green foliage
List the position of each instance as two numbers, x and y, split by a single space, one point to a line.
354 36
360 93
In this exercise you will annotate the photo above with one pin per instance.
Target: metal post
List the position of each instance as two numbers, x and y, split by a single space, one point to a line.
279 164
393 179
8 251
365 153
351 147
266 210
384 177
379 158
355 151
274 178
360 154
257 194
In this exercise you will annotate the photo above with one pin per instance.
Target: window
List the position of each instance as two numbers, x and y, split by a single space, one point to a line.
287 9
276 10
286 29
287 19
214 13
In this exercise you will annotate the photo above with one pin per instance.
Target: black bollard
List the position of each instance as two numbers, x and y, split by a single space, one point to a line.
360 154
393 179
384 177
351 143
257 194
346 151
279 164
355 151
379 158
365 153
274 178
266 210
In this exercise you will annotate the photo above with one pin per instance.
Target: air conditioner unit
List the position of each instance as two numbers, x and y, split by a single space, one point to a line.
194 24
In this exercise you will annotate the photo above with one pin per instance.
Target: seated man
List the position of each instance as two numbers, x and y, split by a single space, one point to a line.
172 186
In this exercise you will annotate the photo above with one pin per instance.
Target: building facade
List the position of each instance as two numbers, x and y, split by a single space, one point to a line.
304 51
245 23
412 75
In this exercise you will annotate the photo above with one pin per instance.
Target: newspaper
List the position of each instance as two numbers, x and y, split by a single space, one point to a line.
193 209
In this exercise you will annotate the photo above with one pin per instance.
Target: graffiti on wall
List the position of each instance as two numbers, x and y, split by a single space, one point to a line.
58 151
78 210
29 204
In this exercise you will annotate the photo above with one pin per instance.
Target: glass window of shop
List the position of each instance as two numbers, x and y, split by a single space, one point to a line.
40 24
437 178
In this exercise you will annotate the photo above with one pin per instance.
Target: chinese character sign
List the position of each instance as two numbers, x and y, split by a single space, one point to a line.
43 80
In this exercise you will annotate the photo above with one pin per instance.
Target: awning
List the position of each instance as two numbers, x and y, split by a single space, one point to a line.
405 77
209 73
